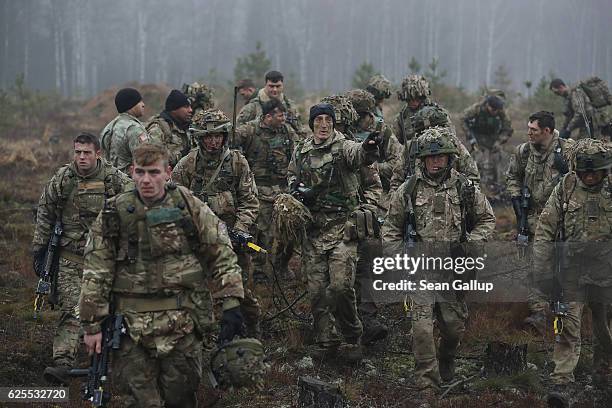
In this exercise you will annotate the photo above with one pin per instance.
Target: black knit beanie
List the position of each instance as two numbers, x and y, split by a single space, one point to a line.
321 109
126 99
176 100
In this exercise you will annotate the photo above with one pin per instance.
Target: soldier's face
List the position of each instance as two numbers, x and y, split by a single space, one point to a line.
365 121
560 90
276 118
537 135
274 89
85 157
436 164
492 111
212 142
246 93
137 110
151 179
182 114
414 103
592 178
323 126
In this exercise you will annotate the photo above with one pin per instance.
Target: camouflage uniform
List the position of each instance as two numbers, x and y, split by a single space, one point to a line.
268 151
413 87
426 117
436 205
252 111
154 264
489 132
176 138
597 117
120 137
380 88
79 199
201 96
585 213
232 195
329 254
540 171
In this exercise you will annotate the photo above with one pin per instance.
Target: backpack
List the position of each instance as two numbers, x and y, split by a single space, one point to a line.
597 90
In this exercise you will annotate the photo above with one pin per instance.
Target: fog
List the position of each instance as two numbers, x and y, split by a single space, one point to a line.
80 47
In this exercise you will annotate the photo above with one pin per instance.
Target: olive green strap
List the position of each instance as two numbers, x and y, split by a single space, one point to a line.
154 304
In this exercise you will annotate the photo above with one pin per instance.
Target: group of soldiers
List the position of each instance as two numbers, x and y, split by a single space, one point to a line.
170 241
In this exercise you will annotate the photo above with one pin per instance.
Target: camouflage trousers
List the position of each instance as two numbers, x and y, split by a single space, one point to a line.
567 348
280 254
490 165
367 250
68 331
331 278
144 377
450 316
250 308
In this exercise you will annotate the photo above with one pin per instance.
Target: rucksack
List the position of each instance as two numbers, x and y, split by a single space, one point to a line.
597 90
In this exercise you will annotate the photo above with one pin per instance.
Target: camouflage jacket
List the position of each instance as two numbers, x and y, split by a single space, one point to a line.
538 171
406 166
269 153
331 170
119 139
155 263
437 209
232 195
487 129
402 125
79 199
252 111
585 214
163 129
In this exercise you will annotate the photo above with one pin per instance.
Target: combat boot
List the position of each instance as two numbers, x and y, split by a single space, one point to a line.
558 397
58 375
351 353
537 321
374 331
446 366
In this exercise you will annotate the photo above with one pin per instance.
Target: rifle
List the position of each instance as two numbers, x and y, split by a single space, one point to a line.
244 239
587 125
471 139
47 284
235 103
410 239
522 239
97 373
558 306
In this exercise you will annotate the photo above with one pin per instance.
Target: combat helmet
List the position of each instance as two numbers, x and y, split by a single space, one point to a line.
239 363
436 140
380 87
210 121
590 155
430 116
414 87
343 108
362 101
200 96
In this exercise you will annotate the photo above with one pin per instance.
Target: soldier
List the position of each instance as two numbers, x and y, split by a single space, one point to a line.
201 96
415 92
581 106
370 187
436 193
171 126
487 128
222 178
323 174
124 133
148 258
75 194
267 144
247 90
535 169
427 117
390 150
380 88
273 89
579 211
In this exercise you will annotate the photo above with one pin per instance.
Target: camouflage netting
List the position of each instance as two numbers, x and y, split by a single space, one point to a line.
597 151
211 121
290 218
200 95
380 87
436 140
362 101
430 116
414 87
240 363
343 108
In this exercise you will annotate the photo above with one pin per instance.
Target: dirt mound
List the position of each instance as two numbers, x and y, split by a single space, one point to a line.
100 109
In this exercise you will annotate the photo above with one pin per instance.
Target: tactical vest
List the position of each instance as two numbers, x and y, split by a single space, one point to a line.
321 170
156 248
269 154
84 198
107 139
485 124
164 125
221 197
406 128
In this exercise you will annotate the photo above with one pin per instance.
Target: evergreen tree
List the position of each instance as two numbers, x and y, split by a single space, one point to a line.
362 75
253 65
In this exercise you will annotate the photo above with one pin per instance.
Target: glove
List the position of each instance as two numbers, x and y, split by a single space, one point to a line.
376 137
232 324
305 194
516 205
39 260
565 133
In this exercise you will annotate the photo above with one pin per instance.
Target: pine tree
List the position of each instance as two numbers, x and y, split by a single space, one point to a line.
362 75
414 66
253 65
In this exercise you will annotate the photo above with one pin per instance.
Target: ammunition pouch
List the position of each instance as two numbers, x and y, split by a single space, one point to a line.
362 224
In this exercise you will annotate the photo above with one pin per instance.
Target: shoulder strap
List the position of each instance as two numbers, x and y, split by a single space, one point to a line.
218 169
566 194
559 161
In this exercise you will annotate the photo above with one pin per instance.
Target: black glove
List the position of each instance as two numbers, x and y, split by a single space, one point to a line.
241 238
305 194
376 137
39 260
232 324
565 133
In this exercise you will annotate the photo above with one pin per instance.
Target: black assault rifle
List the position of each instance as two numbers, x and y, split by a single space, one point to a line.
522 239
47 284
244 239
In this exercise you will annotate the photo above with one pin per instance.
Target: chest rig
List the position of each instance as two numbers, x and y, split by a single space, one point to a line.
269 155
155 247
